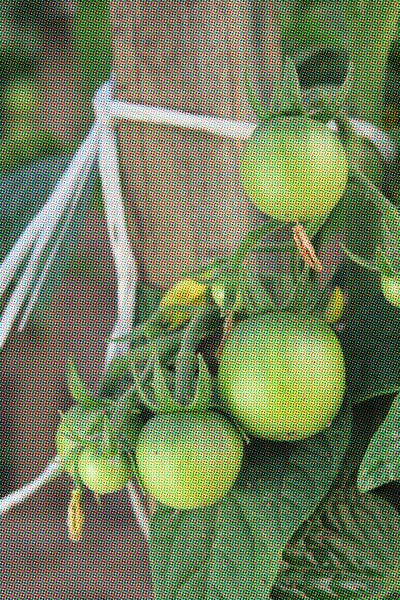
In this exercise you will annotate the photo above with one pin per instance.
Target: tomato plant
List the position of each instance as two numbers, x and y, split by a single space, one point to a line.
233 401
294 168
282 376
188 460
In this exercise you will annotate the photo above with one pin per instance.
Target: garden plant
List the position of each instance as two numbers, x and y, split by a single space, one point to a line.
236 408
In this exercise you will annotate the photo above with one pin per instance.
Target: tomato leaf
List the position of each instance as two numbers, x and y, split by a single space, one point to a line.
369 336
348 549
78 389
287 97
260 110
381 463
232 550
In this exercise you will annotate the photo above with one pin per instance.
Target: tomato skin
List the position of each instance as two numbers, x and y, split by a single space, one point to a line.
282 376
188 460
391 290
294 168
103 473
75 421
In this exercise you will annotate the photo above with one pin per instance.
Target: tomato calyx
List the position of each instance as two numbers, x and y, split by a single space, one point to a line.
160 398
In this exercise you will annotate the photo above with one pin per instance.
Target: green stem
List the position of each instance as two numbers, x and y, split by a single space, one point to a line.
371 26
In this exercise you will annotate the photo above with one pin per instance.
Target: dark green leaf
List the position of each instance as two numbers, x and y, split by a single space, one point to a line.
369 336
232 549
367 418
287 97
384 263
258 107
78 389
361 262
381 463
348 549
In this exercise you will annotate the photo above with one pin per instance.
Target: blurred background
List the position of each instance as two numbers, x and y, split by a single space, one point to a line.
53 55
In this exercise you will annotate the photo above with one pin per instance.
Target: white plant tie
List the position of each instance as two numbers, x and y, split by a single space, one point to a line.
101 144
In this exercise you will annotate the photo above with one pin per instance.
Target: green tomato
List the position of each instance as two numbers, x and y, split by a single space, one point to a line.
282 376
103 473
390 287
188 460
75 424
294 168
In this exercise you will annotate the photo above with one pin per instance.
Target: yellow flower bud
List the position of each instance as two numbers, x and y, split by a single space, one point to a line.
186 292
335 307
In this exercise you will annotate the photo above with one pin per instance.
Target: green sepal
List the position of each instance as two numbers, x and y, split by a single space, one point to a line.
258 294
164 399
287 97
360 261
108 443
204 389
143 394
257 105
78 389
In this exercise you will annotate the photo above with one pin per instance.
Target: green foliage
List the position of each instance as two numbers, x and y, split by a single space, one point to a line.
369 337
348 549
232 549
77 387
381 463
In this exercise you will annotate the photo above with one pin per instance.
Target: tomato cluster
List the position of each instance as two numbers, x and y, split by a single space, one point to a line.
276 374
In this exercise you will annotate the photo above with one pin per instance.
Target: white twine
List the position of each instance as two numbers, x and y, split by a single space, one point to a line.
101 143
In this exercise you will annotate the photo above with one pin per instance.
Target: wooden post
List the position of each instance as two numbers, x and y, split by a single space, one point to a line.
183 190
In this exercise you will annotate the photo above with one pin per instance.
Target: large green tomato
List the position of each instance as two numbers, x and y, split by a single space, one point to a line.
187 460
104 473
294 168
391 290
282 375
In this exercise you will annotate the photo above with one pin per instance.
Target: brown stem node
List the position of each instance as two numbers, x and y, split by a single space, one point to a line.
306 249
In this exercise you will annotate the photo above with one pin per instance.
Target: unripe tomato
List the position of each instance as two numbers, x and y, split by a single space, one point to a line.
390 287
187 460
75 423
186 292
103 473
282 375
294 168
